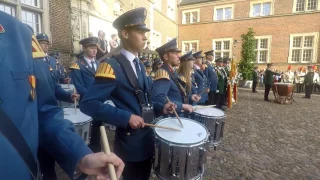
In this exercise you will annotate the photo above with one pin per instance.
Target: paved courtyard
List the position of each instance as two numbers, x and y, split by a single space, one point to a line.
264 140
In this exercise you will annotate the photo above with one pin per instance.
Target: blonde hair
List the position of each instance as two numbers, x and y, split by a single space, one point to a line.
185 70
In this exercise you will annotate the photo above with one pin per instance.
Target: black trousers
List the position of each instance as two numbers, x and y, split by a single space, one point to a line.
219 100
47 164
95 145
300 88
211 98
309 89
137 170
254 86
266 91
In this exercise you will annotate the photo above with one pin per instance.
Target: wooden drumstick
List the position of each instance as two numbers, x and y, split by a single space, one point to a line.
175 112
75 102
106 149
162 127
203 107
203 91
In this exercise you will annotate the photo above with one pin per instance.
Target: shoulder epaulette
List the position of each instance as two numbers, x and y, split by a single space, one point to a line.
37 51
183 79
50 68
74 66
152 74
105 71
161 74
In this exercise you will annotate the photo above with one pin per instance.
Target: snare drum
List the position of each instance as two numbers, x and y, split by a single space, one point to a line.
180 155
81 122
67 87
70 90
214 120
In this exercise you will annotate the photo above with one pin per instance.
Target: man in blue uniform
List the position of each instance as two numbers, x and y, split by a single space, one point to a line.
166 80
61 71
83 71
211 76
200 78
123 80
155 66
29 113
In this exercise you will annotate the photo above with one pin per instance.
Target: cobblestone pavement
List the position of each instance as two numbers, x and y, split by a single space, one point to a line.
264 140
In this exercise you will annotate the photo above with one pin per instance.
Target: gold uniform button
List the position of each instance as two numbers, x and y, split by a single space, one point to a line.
128 134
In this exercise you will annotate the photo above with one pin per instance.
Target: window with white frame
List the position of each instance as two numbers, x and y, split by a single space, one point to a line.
305 5
261 8
303 48
35 3
262 49
190 46
157 4
32 19
190 16
171 13
222 48
7 9
156 40
223 12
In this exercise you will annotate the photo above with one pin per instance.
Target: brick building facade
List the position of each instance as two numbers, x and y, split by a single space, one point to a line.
286 31
68 21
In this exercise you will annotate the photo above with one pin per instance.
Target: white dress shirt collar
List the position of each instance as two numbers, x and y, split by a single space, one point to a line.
130 57
196 66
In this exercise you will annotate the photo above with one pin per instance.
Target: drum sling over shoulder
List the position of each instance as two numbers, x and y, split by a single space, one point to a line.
143 98
13 135
182 91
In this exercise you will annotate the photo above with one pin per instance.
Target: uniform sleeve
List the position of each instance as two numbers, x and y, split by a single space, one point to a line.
78 81
61 94
93 105
56 134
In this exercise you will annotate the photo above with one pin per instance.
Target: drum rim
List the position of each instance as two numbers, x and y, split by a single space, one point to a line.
205 140
163 178
224 114
216 117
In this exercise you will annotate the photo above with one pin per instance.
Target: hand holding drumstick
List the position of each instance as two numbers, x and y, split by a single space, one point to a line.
175 112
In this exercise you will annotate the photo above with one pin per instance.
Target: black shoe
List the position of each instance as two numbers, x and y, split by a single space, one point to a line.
267 100
255 91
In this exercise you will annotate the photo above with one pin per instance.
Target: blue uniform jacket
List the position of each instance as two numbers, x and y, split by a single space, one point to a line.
83 77
37 120
61 73
130 145
202 84
164 86
211 76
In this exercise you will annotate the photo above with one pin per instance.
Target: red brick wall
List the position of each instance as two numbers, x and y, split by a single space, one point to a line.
279 27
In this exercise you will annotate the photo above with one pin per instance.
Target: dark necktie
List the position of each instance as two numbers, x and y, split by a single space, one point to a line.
92 66
46 59
139 73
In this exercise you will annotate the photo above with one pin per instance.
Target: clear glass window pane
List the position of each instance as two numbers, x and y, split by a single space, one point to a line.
266 9
256 43
218 45
227 13
226 45
300 5
297 42
226 54
30 2
308 41
256 10
296 55
256 55
186 47
194 46
312 4
264 43
217 55
7 9
307 55
187 15
219 14
194 16
263 56
32 19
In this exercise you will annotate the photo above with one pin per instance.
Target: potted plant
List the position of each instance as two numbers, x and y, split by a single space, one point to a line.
248 57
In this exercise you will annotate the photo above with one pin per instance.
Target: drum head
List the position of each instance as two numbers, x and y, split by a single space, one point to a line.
282 84
76 118
66 86
191 133
213 112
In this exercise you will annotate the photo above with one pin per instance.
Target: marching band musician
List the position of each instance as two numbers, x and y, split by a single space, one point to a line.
185 73
288 76
147 64
300 80
123 80
211 76
309 82
155 66
61 71
221 83
226 70
255 79
166 80
200 78
268 81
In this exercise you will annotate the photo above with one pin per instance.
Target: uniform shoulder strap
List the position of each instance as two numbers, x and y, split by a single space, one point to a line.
161 74
105 71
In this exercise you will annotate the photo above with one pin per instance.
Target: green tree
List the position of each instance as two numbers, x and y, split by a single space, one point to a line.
247 54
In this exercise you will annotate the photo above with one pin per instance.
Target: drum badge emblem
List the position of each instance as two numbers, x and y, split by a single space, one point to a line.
32 81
